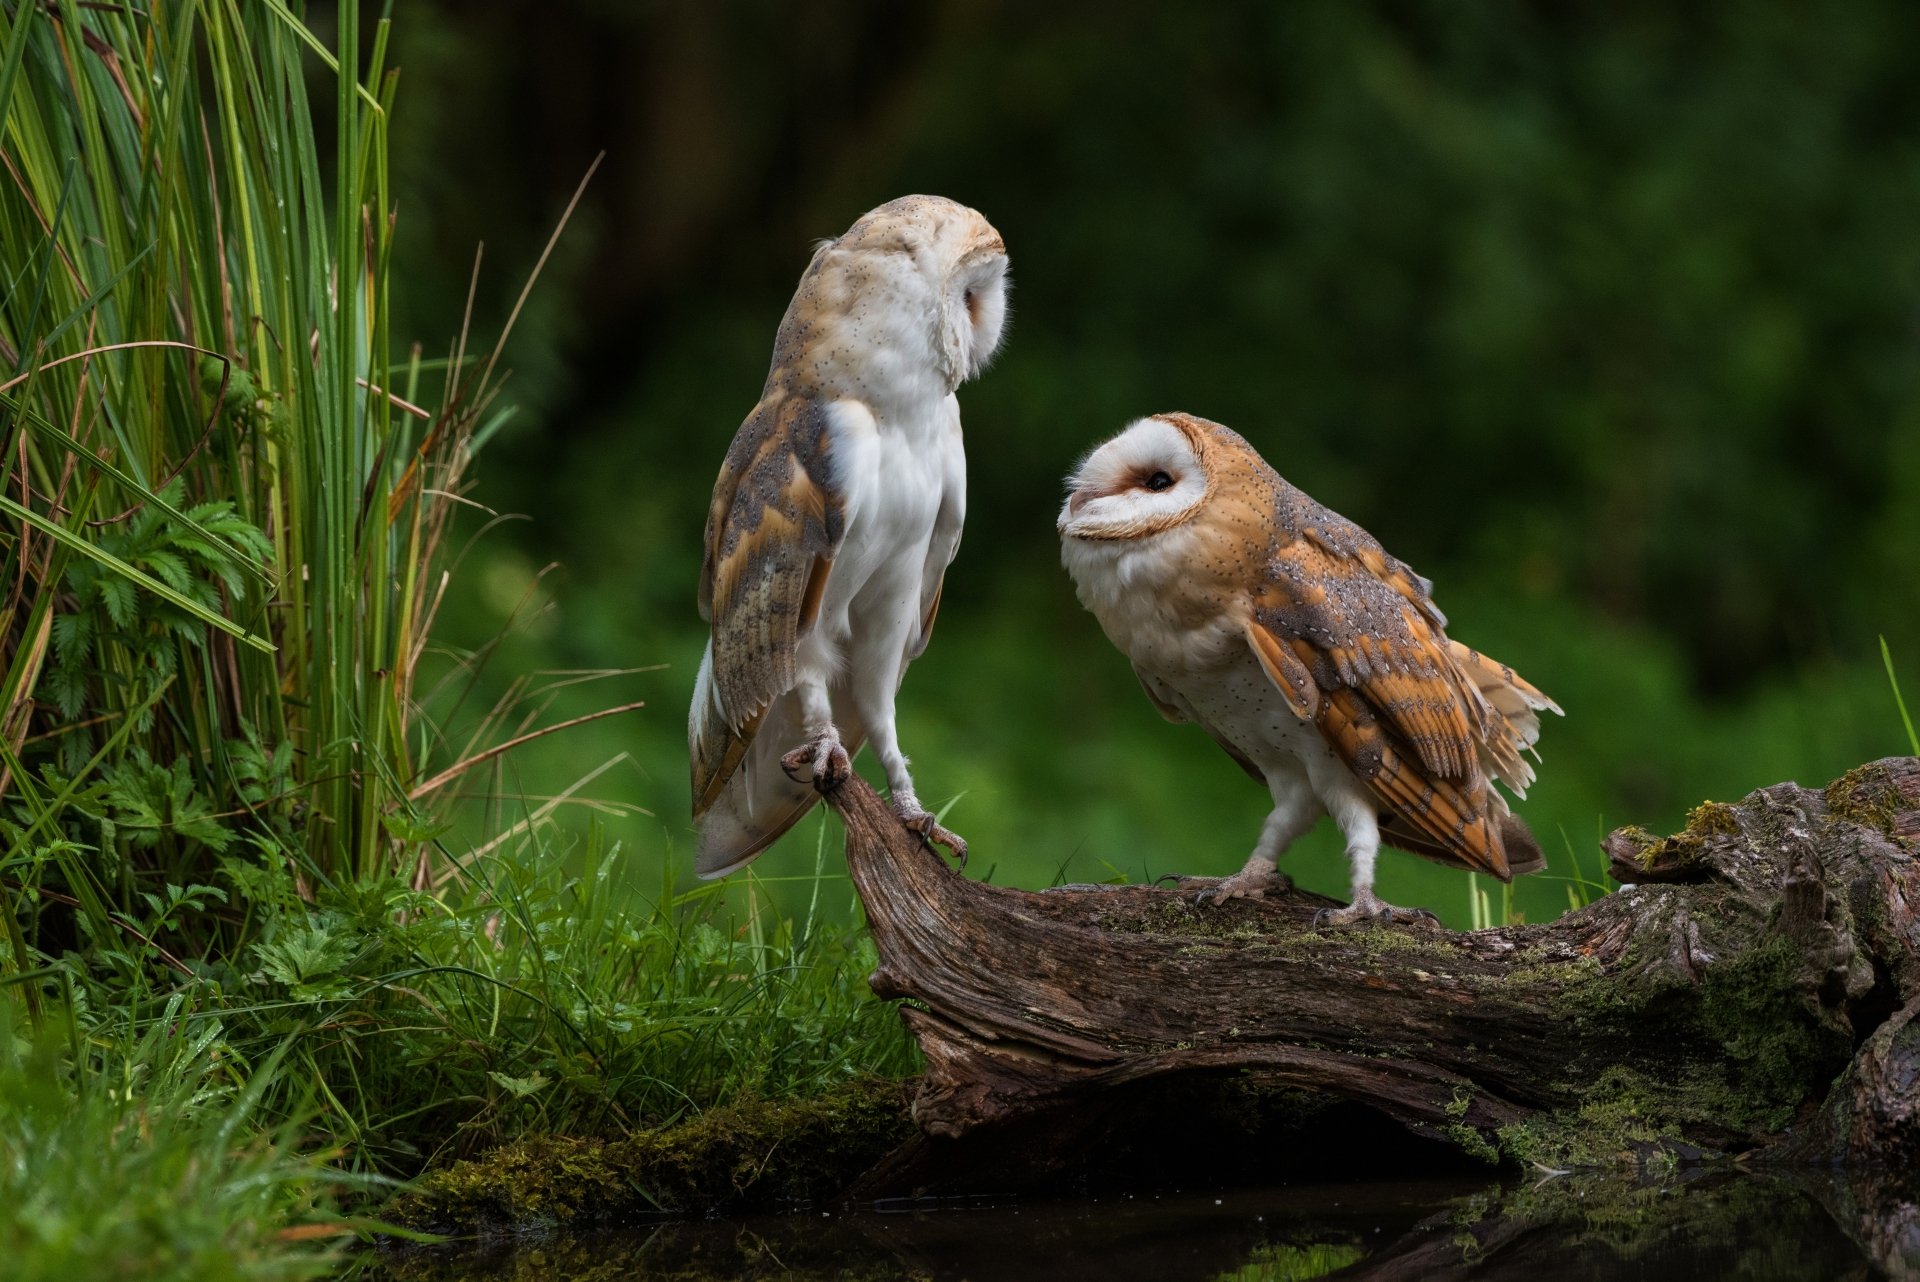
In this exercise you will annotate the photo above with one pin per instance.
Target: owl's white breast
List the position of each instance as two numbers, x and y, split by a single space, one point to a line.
1143 595
1238 702
1188 645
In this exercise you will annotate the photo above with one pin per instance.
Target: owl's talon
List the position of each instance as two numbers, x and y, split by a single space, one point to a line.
1244 884
798 762
923 825
1371 910
823 761
1224 890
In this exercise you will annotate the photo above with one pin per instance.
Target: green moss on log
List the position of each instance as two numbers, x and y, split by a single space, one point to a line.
1625 1118
1283 1262
1680 856
1867 795
1781 1053
1776 1054
1469 1140
1712 819
1181 918
749 1154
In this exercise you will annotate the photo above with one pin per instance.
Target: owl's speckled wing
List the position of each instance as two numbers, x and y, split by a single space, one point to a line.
772 530
1351 638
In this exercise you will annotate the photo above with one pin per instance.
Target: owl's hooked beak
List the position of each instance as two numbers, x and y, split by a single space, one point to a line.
1087 494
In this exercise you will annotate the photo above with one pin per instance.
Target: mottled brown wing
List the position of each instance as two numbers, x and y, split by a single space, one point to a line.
772 531
1353 642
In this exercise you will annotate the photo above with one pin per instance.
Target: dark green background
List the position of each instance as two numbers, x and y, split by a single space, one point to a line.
1605 317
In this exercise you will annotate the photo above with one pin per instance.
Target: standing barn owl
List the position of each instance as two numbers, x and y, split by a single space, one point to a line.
836 513
1319 662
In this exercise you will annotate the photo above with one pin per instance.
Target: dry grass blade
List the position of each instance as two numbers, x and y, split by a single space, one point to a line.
459 768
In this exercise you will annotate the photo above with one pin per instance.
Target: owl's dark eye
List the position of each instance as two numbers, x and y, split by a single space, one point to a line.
972 301
1159 481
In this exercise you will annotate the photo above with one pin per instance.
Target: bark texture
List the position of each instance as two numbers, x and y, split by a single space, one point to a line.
1756 977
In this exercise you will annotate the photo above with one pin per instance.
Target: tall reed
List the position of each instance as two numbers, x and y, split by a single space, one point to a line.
225 507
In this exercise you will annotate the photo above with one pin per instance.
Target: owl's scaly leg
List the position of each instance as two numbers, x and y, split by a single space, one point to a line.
906 806
823 758
1294 811
1362 828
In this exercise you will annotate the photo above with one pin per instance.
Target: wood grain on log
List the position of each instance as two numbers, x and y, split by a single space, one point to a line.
1709 1005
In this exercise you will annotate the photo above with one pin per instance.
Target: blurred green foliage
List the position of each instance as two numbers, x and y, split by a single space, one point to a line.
1603 316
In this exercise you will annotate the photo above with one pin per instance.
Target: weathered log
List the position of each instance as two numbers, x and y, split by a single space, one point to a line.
1756 978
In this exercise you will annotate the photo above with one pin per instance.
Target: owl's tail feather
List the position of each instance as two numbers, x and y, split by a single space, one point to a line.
1514 727
1523 852
760 802
1518 849
714 747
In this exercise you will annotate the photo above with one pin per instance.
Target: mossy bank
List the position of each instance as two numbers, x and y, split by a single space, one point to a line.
748 1155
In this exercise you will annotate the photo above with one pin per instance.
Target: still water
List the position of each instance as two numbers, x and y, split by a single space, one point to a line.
1706 1224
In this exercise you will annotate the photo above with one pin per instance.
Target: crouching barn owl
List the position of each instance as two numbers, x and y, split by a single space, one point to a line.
1319 662
836 513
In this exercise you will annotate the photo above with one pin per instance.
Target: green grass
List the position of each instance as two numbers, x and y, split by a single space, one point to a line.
531 997
1886 657
148 1156
231 506
401 1030
226 540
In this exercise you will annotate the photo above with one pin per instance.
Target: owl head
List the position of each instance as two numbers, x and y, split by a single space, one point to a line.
910 300
1151 478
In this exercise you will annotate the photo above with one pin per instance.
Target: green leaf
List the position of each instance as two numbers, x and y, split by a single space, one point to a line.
68 539
306 955
66 685
520 1087
150 801
72 635
120 599
173 569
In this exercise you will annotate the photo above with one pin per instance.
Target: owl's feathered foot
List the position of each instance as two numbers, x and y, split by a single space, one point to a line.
1248 883
821 760
922 823
1368 908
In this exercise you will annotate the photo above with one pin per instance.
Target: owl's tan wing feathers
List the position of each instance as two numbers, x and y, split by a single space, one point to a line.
772 531
1514 707
1353 642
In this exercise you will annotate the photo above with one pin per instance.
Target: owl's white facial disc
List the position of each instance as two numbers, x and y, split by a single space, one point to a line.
1146 480
977 311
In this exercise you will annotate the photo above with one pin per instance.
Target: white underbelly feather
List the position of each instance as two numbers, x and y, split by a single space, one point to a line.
893 485
1238 703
